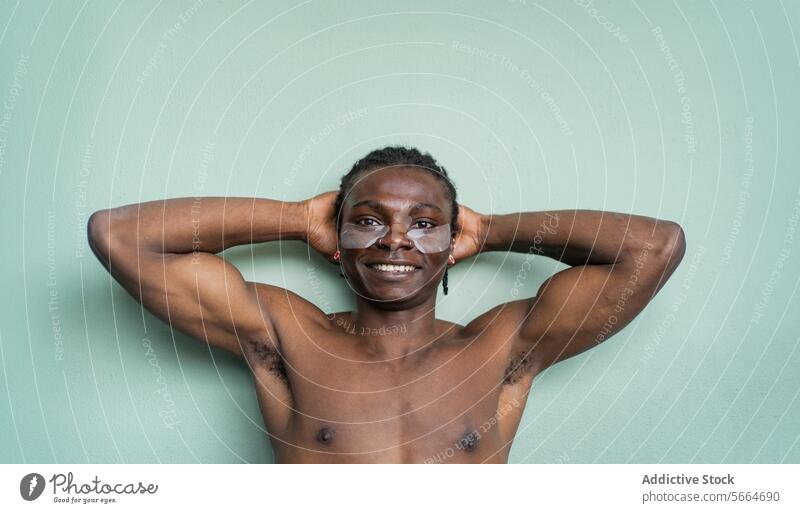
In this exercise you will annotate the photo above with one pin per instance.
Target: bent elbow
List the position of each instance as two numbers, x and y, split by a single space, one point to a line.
674 246
99 234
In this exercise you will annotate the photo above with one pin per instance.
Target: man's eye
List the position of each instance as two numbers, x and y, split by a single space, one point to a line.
361 222
427 224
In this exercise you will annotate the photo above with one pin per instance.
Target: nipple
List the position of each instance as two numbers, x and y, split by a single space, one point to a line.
469 442
325 435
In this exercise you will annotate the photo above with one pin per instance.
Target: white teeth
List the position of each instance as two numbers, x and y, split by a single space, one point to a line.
393 268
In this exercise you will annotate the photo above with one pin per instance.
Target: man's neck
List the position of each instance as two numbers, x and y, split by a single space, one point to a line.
391 333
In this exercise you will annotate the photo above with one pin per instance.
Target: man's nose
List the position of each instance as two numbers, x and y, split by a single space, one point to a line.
396 238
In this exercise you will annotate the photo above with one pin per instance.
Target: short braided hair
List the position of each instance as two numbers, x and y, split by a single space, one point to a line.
398 156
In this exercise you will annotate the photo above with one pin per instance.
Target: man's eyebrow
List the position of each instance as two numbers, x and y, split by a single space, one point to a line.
420 206
379 206
370 203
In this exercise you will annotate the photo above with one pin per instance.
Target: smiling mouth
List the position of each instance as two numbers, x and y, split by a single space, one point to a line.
392 268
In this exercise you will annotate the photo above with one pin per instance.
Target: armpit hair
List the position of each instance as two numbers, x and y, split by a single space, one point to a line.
267 355
519 365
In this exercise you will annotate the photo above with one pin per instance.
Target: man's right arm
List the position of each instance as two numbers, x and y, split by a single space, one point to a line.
163 253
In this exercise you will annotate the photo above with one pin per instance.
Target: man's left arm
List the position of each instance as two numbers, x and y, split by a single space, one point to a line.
618 263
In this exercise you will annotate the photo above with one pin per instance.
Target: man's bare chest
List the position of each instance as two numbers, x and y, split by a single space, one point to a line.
448 403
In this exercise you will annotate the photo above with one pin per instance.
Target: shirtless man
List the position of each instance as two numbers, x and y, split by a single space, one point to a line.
388 382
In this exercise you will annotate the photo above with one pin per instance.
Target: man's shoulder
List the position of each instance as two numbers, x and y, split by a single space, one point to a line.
281 304
505 316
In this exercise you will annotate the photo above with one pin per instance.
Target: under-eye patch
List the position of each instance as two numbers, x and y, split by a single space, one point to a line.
430 240
361 236
426 240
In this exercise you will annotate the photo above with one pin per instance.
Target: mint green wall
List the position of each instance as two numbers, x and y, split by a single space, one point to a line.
682 110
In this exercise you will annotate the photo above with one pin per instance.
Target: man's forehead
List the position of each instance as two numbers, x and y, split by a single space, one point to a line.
396 203
397 188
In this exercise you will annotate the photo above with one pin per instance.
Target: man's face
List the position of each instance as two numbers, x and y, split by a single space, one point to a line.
400 198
